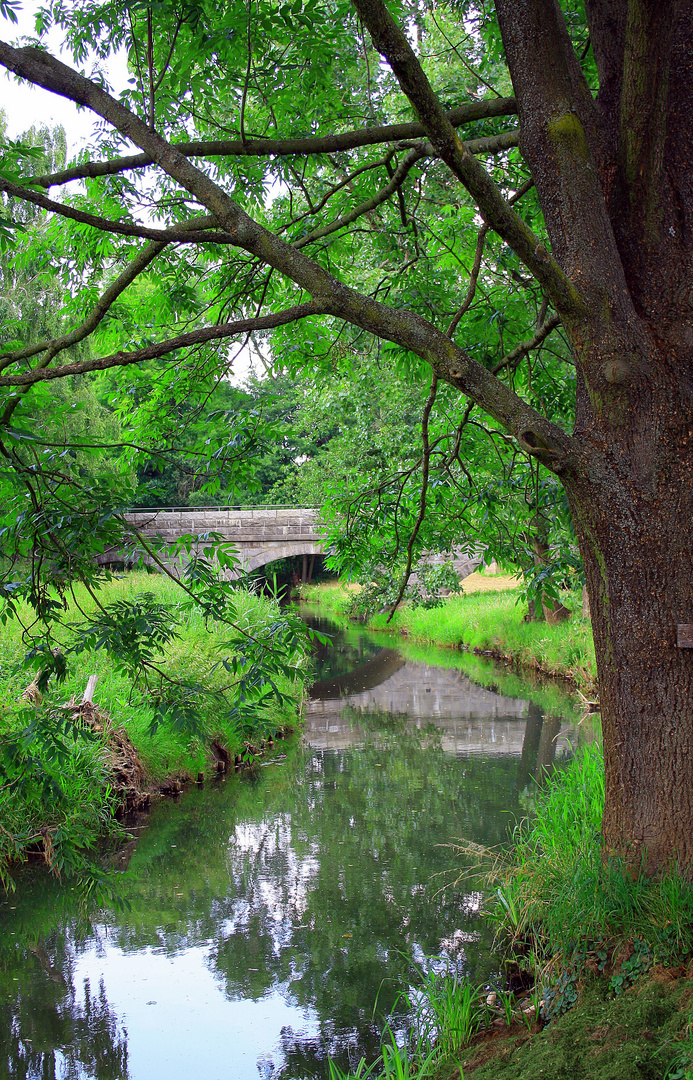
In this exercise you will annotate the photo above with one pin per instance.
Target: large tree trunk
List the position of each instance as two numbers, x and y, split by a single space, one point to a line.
636 534
613 177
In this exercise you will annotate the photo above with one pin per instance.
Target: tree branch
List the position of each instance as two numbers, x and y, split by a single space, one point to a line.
152 352
326 144
524 347
53 346
393 44
426 454
398 178
187 232
405 328
564 143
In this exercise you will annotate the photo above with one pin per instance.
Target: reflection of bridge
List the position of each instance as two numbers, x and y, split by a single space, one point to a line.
471 719
260 534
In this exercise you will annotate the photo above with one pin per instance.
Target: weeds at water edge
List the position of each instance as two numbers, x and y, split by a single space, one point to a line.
562 910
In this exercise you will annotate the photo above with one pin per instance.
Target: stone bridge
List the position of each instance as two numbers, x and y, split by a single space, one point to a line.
259 534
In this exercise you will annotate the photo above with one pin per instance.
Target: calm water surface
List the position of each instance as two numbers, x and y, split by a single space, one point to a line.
268 917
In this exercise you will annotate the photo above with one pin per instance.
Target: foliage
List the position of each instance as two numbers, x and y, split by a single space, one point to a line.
364 469
56 789
180 433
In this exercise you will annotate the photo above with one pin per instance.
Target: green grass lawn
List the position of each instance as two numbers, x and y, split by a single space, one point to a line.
487 620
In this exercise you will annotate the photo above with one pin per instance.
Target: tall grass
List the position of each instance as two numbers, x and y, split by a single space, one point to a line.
558 895
487 621
495 621
443 1014
448 1012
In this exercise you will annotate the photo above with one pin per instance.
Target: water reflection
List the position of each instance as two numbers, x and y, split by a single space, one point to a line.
472 719
267 917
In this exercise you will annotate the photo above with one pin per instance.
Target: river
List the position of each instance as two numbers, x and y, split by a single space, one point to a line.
273 922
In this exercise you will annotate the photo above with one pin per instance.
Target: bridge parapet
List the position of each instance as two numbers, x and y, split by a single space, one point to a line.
260 534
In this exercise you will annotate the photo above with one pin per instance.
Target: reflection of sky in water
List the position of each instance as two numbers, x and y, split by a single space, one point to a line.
268 917
179 1022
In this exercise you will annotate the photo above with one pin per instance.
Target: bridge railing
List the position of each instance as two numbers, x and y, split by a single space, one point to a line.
202 509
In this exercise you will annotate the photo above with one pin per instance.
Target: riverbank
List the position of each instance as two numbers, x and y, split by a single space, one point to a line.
488 621
104 758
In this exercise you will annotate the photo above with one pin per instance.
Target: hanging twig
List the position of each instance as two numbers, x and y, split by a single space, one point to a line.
150 66
137 63
473 278
424 488
462 60
247 79
478 255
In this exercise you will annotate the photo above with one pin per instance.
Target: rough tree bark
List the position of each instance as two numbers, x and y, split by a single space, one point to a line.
614 180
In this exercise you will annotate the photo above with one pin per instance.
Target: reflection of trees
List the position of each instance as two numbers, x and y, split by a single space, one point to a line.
48 1029
335 896
354 648
365 676
320 882
538 746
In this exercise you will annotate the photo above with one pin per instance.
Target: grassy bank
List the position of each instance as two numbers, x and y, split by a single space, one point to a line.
486 620
603 961
69 789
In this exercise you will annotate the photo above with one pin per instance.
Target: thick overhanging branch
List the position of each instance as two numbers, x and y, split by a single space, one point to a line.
195 231
565 144
330 296
392 43
302 147
162 348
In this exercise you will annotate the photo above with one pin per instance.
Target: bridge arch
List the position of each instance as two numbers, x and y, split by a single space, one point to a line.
281 551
